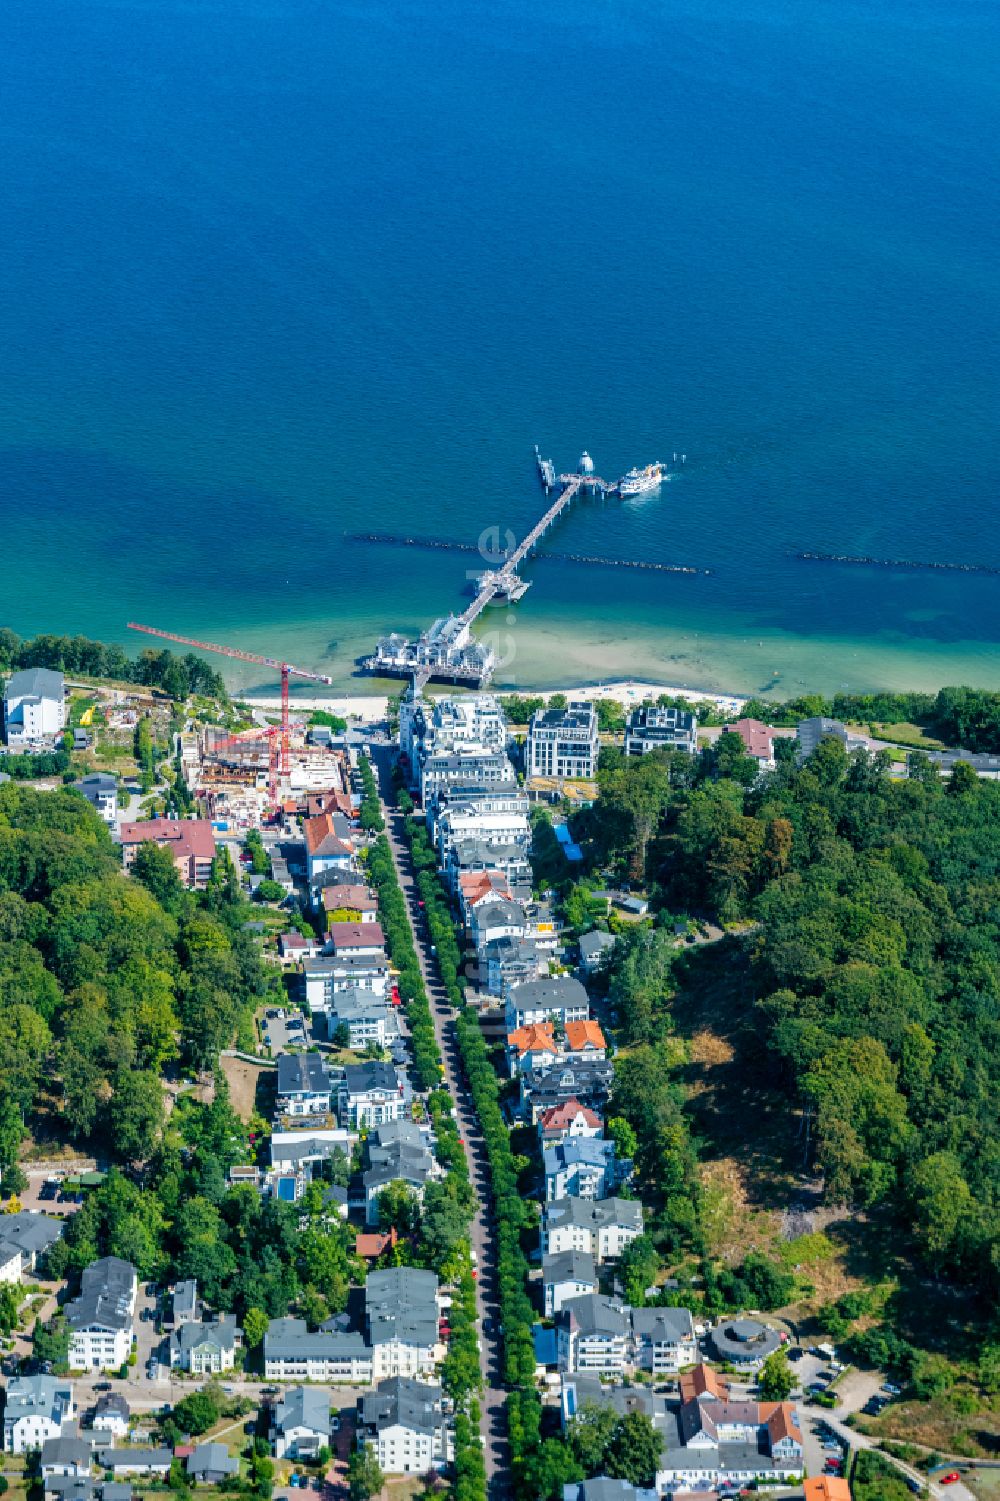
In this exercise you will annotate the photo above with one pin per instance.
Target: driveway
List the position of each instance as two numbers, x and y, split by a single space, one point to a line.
496 1452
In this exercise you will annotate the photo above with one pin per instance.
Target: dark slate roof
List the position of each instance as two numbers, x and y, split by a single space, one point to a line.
412 1404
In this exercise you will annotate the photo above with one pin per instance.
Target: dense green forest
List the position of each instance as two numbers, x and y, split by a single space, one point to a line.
152 668
105 980
874 962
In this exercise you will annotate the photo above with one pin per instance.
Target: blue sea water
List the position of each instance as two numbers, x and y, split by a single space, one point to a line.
277 270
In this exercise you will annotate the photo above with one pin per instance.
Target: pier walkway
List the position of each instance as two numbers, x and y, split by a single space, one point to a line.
504 579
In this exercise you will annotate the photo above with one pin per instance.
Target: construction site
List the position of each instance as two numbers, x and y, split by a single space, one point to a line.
260 775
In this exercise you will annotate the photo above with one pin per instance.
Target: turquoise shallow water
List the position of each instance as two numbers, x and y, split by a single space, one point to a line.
279 269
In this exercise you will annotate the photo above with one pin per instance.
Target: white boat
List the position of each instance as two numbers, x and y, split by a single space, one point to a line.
641 481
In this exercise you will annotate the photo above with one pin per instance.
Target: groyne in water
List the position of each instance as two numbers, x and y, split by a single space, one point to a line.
839 557
392 539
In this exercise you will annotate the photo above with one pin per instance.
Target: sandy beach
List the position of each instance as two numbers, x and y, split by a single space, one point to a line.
367 708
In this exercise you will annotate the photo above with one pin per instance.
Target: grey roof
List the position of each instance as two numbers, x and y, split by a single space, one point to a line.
106 1288
583 1077
411 1404
401 1304
69 1487
185 1299
355 1004
663 1325
622 1399
304 1407
116 1490
744 1340
30 1232
35 682
302 1149
303 1073
593 1213
592 1313
360 1078
289 1339
132 1458
112 1404
569 1266
576 1150
600 1488
390 1132
499 912
30 1395
97 782
399 1160
212 1459
551 993
67 1449
595 943
220 1334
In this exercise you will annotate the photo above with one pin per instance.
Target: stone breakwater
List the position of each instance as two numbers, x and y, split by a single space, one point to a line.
393 539
841 557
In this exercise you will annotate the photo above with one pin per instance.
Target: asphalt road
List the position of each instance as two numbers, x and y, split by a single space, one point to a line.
496 1452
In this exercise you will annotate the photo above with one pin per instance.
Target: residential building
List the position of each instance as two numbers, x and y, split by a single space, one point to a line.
328 845
470 856
396 1162
585 1042
595 948
826 1488
101 792
326 975
111 1415
541 1088
474 886
531 1047
457 826
304 1085
292 1353
366 1017
758 741
355 940
569 1274
592 1335
355 902
34 706
601 1227
184 1306
497 919
10 1263
26 1237
190 841
401 1314
67 1454
603 1488
37 1407
567 1120
509 962
101 1319
654 727
205 1349
136 1461
580 1167
444 770
302 1423
403 1423
563 742
663 1340
69 1488
811 732
208 1464
555 998
369 1094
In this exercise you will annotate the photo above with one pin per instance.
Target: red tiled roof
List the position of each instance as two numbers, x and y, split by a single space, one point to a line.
564 1115
353 935
186 836
757 738
319 832
580 1035
826 1488
539 1037
358 898
370 1246
780 1420
703 1381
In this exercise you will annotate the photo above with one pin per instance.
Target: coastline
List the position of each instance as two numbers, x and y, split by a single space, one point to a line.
371 707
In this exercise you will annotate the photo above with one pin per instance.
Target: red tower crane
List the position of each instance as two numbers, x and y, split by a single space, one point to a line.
285 668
